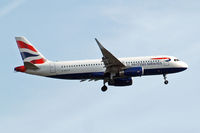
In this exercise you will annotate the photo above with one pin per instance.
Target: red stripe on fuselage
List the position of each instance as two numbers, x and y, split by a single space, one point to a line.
24 45
39 61
160 58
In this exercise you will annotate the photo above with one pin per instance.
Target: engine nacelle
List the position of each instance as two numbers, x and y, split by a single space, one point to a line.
120 82
132 72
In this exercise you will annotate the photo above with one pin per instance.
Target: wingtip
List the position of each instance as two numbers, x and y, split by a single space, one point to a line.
97 41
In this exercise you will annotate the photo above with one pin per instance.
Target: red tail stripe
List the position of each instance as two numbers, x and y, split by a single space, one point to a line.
39 61
24 45
20 69
160 58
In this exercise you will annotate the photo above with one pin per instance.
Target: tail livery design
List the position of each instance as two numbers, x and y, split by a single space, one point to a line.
30 55
28 52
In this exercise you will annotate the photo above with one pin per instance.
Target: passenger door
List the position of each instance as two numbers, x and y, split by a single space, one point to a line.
166 63
52 68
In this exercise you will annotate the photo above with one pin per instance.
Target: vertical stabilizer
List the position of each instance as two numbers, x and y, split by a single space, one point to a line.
28 52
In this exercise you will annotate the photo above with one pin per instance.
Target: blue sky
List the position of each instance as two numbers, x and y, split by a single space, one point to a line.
65 30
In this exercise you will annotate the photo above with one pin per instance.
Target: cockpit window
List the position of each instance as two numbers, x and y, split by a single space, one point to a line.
176 60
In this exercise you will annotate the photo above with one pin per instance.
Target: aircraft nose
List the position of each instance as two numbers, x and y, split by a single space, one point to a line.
184 65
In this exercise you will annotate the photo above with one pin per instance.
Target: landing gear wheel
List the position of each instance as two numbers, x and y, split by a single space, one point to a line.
104 88
166 82
165 79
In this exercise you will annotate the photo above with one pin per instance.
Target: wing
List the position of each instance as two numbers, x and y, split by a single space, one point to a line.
112 64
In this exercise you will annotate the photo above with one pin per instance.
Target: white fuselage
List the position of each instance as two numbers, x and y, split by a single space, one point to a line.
112 70
50 69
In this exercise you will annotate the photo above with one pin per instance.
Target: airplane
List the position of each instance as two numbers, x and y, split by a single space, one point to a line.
112 70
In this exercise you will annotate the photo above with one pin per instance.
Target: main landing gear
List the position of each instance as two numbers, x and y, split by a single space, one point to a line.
165 79
104 87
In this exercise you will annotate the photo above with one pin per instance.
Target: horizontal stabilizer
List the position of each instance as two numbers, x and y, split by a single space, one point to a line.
29 65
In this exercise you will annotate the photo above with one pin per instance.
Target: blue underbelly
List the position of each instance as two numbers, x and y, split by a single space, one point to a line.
158 71
91 75
100 75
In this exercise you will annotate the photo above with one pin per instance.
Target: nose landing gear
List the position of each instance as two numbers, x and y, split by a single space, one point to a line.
166 82
165 79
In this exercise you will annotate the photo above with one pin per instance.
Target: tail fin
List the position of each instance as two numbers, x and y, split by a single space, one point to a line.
28 52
